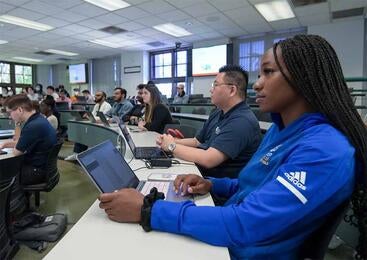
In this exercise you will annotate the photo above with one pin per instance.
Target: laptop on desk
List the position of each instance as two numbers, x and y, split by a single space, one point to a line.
91 116
103 119
141 152
78 115
109 171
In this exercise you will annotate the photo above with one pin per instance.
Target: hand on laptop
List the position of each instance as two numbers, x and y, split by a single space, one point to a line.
141 125
192 184
123 205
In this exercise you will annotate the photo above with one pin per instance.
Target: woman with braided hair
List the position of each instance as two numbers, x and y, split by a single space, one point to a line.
310 161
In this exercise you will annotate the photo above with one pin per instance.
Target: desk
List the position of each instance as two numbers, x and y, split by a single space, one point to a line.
94 236
91 134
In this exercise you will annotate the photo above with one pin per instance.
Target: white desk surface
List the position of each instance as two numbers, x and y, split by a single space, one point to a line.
8 150
94 236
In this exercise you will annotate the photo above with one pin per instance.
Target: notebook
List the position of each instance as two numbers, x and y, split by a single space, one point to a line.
109 171
141 152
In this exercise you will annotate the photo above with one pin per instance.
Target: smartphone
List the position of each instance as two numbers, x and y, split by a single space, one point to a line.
2 152
162 177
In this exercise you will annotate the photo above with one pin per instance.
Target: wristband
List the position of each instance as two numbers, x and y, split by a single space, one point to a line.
146 209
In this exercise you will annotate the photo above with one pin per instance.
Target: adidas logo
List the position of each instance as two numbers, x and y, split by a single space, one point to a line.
297 178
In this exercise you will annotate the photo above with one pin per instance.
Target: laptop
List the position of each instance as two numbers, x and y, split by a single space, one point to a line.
109 171
103 118
78 115
91 116
141 152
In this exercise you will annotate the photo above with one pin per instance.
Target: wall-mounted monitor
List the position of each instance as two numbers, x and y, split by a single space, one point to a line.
78 73
207 61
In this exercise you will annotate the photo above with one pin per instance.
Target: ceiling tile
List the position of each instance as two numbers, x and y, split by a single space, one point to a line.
15 2
88 10
76 28
111 19
312 9
173 16
151 20
97 34
285 24
185 3
132 13
27 14
156 6
42 7
228 4
53 22
65 4
147 32
71 17
337 5
4 8
314 19
131 26
94 24
200 9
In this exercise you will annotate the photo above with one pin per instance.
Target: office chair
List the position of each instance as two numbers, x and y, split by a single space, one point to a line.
199 111
52 176
8 246
186 131
315 246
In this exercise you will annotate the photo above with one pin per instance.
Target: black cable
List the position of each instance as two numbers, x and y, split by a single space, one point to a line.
140 168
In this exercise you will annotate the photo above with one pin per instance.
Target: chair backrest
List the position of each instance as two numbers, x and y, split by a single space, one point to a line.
9 168
186 130
51 164
315 246
5 237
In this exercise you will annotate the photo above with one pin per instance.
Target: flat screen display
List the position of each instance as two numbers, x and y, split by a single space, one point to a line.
78 73
207 61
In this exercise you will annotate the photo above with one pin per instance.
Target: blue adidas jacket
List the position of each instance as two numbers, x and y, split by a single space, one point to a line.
298 175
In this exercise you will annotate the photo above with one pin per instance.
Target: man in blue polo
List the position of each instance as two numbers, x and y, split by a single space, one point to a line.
36 136
231 134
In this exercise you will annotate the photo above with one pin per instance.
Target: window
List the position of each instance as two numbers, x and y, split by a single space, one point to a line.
23 74
4 72
250 54
169 67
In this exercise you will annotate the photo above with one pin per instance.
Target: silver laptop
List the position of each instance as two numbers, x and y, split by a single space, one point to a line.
109 171
141 152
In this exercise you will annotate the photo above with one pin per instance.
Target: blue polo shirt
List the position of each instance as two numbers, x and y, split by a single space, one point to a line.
37 136
236 134
298 175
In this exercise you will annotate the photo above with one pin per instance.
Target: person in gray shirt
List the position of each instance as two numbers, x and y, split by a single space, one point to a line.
181 97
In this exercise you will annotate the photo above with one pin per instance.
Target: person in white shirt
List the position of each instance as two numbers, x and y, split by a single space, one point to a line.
46 110
51 92
31 95
101 104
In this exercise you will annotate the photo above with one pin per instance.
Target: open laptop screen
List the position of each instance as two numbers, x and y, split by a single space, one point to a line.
107 168
127 136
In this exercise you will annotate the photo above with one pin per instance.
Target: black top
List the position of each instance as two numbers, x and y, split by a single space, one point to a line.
161 117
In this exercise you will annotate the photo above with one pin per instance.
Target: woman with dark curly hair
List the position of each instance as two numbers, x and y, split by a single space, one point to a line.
311 161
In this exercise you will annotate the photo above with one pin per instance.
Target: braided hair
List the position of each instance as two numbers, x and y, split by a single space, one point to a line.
316 74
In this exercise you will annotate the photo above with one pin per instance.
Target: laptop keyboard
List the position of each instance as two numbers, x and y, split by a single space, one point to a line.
162 186
148 152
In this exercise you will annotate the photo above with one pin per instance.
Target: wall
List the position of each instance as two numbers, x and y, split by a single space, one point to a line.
129 81
103 74
347 37
43 75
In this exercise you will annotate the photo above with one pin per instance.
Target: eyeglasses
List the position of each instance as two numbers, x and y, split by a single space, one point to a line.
215 84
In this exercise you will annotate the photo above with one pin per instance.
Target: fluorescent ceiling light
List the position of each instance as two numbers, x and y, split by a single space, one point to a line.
3 42
110 5
275 10
27 59
106 43
25 23
66 53
172 29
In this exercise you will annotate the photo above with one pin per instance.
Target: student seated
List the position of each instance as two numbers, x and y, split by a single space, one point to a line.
138 110
36 136
156 114
46 110
307 164
122 106
231 134
181 97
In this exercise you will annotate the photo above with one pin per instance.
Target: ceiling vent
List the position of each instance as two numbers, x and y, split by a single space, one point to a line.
348 13
44 53
155 44
112 30
299 3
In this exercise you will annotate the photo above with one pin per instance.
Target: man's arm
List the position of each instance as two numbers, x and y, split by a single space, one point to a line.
191 142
